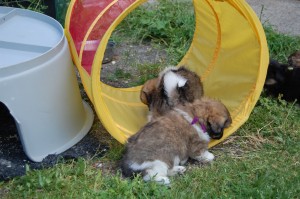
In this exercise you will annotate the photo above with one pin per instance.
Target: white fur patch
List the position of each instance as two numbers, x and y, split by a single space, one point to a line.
208 156
146 165
171 81
155 170
205 157
176 161
203 135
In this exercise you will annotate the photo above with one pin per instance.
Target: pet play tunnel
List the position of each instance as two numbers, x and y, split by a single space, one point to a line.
229 51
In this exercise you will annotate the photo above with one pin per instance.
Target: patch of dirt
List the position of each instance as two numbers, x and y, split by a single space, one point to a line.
128 62
3 192
107 167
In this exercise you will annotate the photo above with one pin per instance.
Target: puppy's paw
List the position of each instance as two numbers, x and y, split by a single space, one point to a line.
205 157
179 169
162 180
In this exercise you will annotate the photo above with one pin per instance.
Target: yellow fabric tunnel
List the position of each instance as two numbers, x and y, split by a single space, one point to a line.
229 51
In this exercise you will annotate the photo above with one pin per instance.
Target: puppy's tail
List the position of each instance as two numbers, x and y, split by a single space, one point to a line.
127 171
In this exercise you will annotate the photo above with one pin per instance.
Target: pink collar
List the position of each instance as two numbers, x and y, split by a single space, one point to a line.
196 120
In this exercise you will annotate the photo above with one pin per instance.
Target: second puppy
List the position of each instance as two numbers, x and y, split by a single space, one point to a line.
154 91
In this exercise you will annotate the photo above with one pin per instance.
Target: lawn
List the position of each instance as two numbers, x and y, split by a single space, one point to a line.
260 160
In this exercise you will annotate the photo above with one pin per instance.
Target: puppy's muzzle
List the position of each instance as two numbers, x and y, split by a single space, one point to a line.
215 133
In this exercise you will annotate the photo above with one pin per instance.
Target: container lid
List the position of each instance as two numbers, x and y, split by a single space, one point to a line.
26 35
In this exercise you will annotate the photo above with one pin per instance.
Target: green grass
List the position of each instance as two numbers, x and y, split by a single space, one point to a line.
280 45
170 25
146 71
119 74
261 160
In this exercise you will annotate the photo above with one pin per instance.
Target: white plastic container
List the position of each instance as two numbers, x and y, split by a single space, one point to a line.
38 83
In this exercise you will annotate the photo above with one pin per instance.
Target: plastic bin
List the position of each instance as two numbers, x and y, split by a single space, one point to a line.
38 83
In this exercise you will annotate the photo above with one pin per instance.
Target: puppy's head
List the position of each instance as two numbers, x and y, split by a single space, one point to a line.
156 94
173 86
214 115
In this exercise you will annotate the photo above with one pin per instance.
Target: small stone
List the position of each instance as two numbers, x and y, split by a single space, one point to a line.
5 163
98 165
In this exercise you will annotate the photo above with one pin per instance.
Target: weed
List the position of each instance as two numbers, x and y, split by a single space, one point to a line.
146 71
118 75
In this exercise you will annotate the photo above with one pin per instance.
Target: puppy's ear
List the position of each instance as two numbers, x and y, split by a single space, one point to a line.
181 83
182 87
145 98
147 91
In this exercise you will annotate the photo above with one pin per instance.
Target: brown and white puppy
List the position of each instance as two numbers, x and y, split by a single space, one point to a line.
178 130
164 144
153 92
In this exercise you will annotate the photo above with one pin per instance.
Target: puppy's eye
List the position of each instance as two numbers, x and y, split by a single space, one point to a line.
227 123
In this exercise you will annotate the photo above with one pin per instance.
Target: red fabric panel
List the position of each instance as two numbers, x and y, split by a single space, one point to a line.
99 30
83 14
